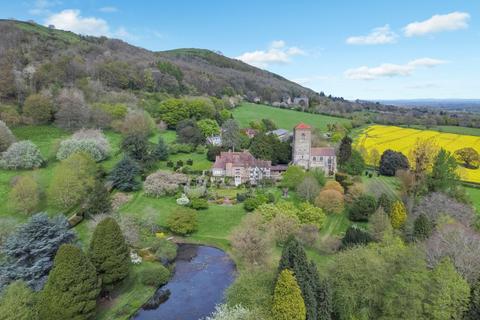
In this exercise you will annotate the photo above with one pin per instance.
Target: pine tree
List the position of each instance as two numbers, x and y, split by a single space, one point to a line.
18 302
124 175
98 201
295 259
287 298
398 215
109 252
72 287
345 150
385 202
161 150
323 294
422 227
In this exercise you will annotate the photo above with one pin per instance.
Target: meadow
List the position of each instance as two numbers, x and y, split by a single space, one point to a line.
401 139
283 118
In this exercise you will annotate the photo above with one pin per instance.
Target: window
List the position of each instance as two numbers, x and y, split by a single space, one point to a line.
303 137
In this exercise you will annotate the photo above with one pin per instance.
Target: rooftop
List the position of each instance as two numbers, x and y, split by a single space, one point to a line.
323 152
239 159
302 125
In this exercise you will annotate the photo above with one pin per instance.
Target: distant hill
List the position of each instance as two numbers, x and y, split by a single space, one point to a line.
35 56
469 105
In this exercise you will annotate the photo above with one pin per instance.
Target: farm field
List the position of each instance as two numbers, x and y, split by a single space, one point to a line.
283 118
402 139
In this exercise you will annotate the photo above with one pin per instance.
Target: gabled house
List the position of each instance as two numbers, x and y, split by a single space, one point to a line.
241 167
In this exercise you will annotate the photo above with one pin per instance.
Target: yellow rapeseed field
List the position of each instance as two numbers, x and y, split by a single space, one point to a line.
400 139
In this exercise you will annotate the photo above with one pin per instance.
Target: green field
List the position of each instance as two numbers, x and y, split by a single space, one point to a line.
452 129
283 118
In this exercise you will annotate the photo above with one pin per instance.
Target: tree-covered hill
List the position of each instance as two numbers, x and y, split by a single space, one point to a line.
34 57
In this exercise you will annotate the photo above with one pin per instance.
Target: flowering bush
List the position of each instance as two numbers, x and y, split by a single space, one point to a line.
92 142
163 183
22 155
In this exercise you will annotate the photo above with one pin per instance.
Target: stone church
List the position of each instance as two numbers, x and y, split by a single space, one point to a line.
307 157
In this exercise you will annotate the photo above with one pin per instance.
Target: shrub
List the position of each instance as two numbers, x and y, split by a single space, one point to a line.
72 287
355 236
183 221
362 208
6 137
391 161
22 155
42 236
92 142
330 200
109 252
25 196
308 214
39 108
72 180
355 164
155 276
98 201
124 175
170 163
18 302
333 185
385 202
308 234
398 215
189 162
161 150
308 189
9 115
138 122
283 227
195 192
163 183
199 204
354 192
251 204
288 303
165 251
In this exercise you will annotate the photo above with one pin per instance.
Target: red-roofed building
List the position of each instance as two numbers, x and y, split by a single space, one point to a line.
241 167
306 156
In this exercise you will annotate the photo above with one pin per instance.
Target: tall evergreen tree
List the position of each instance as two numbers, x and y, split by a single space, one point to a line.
72 287
161 150
109 252
287 298
323 294
137 147
345 150
422 227
98 201
124 176
295 259
18 302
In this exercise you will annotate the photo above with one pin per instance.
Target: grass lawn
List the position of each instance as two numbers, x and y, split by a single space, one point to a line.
388 185
452 129
283 118
475 197
200 161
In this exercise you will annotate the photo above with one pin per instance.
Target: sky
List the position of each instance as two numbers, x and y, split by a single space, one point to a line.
357 49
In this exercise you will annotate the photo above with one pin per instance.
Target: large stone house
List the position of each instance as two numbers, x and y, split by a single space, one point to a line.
241 167
306 156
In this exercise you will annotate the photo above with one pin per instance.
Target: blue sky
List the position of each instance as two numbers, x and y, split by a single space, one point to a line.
356 49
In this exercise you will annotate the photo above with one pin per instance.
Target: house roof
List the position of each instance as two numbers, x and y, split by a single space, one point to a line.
239 159
279 132
302 125
325 152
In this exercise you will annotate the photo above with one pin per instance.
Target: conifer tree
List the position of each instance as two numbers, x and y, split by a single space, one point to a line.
398 215
124 175
18 302
287 299
345 150
72 287
161 150
385 202
98 201
109 252
422 227
473 311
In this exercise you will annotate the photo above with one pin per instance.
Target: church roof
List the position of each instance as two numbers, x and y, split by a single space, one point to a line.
324 152
302 125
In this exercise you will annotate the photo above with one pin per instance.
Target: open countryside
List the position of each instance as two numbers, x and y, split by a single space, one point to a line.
401 139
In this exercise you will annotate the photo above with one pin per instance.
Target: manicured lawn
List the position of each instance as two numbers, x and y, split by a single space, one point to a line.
200 161
283 118
388 185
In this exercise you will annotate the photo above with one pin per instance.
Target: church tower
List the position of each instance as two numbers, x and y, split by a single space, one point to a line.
302 142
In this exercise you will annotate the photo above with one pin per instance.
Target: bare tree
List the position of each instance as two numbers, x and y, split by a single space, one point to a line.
73 113
461 244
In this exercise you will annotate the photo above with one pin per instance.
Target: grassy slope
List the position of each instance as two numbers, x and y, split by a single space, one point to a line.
283 118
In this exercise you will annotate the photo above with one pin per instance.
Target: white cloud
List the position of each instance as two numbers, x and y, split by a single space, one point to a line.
438 23
381 35
390 69
71 20
108 9
277 53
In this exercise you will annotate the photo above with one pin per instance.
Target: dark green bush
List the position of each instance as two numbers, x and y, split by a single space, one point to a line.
183 221
155 276
165 251
199 204
251 204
